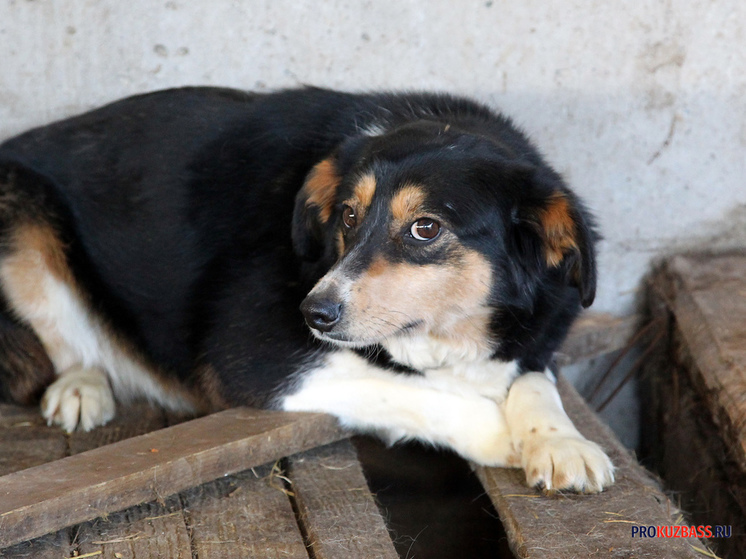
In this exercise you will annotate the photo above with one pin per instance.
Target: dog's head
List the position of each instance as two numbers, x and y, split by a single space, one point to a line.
433 229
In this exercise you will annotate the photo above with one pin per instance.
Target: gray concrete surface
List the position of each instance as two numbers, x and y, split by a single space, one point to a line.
639 104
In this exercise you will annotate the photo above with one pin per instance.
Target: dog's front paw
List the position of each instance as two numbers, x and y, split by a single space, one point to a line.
79 397
568 463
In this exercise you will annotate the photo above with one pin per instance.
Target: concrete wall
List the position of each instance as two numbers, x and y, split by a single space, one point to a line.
639 104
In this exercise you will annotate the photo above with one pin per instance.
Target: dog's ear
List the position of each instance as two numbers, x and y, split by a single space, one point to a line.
568 238
314 206
561 236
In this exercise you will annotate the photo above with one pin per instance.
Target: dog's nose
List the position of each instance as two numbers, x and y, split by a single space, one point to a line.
321 314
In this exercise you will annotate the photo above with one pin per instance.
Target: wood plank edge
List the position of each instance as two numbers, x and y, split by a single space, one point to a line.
491 478
308 474
595 334
85 500
512 525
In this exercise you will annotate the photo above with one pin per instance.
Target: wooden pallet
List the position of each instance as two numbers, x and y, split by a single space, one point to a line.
697 388
249 483
216 486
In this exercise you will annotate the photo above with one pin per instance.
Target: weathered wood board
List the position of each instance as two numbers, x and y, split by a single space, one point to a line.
45 498
150 530
568 526
595 334
50 546
707 297
25 441
339 515
320 508
246 515
696 390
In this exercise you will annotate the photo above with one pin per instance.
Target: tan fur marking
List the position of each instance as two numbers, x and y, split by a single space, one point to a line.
560 480
449 299
44 242
513 461
470 331
364 191
321 188
559 229
181 398
36 251
362 196
377 267
406 203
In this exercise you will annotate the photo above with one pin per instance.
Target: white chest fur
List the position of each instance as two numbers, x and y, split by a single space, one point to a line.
425 351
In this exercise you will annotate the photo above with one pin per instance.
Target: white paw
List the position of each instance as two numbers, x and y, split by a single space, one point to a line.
566 463
80 397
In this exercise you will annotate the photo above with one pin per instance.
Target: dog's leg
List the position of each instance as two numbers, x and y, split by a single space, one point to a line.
398 406
40 291
89 360
553 453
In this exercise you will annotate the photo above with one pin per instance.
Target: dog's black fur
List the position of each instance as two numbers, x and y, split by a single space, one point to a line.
185 225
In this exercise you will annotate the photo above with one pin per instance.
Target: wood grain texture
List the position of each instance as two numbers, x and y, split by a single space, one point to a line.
568 526
336 509
691 454
149 530
155 529
244 515
26 441
695 390
45 498
130 421
707 296
50 546
595 334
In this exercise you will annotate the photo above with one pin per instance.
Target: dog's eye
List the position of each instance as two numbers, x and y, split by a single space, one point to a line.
348 217
425 229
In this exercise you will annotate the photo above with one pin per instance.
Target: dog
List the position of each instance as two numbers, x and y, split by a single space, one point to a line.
179 246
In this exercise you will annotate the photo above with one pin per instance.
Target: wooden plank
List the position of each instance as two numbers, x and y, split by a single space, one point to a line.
244 515
690 454
132 420
694 438
45 498
569 526
336 510
594 334
25 439
150 530
50 546
707 295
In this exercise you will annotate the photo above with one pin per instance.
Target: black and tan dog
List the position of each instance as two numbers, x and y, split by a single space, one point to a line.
161 246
